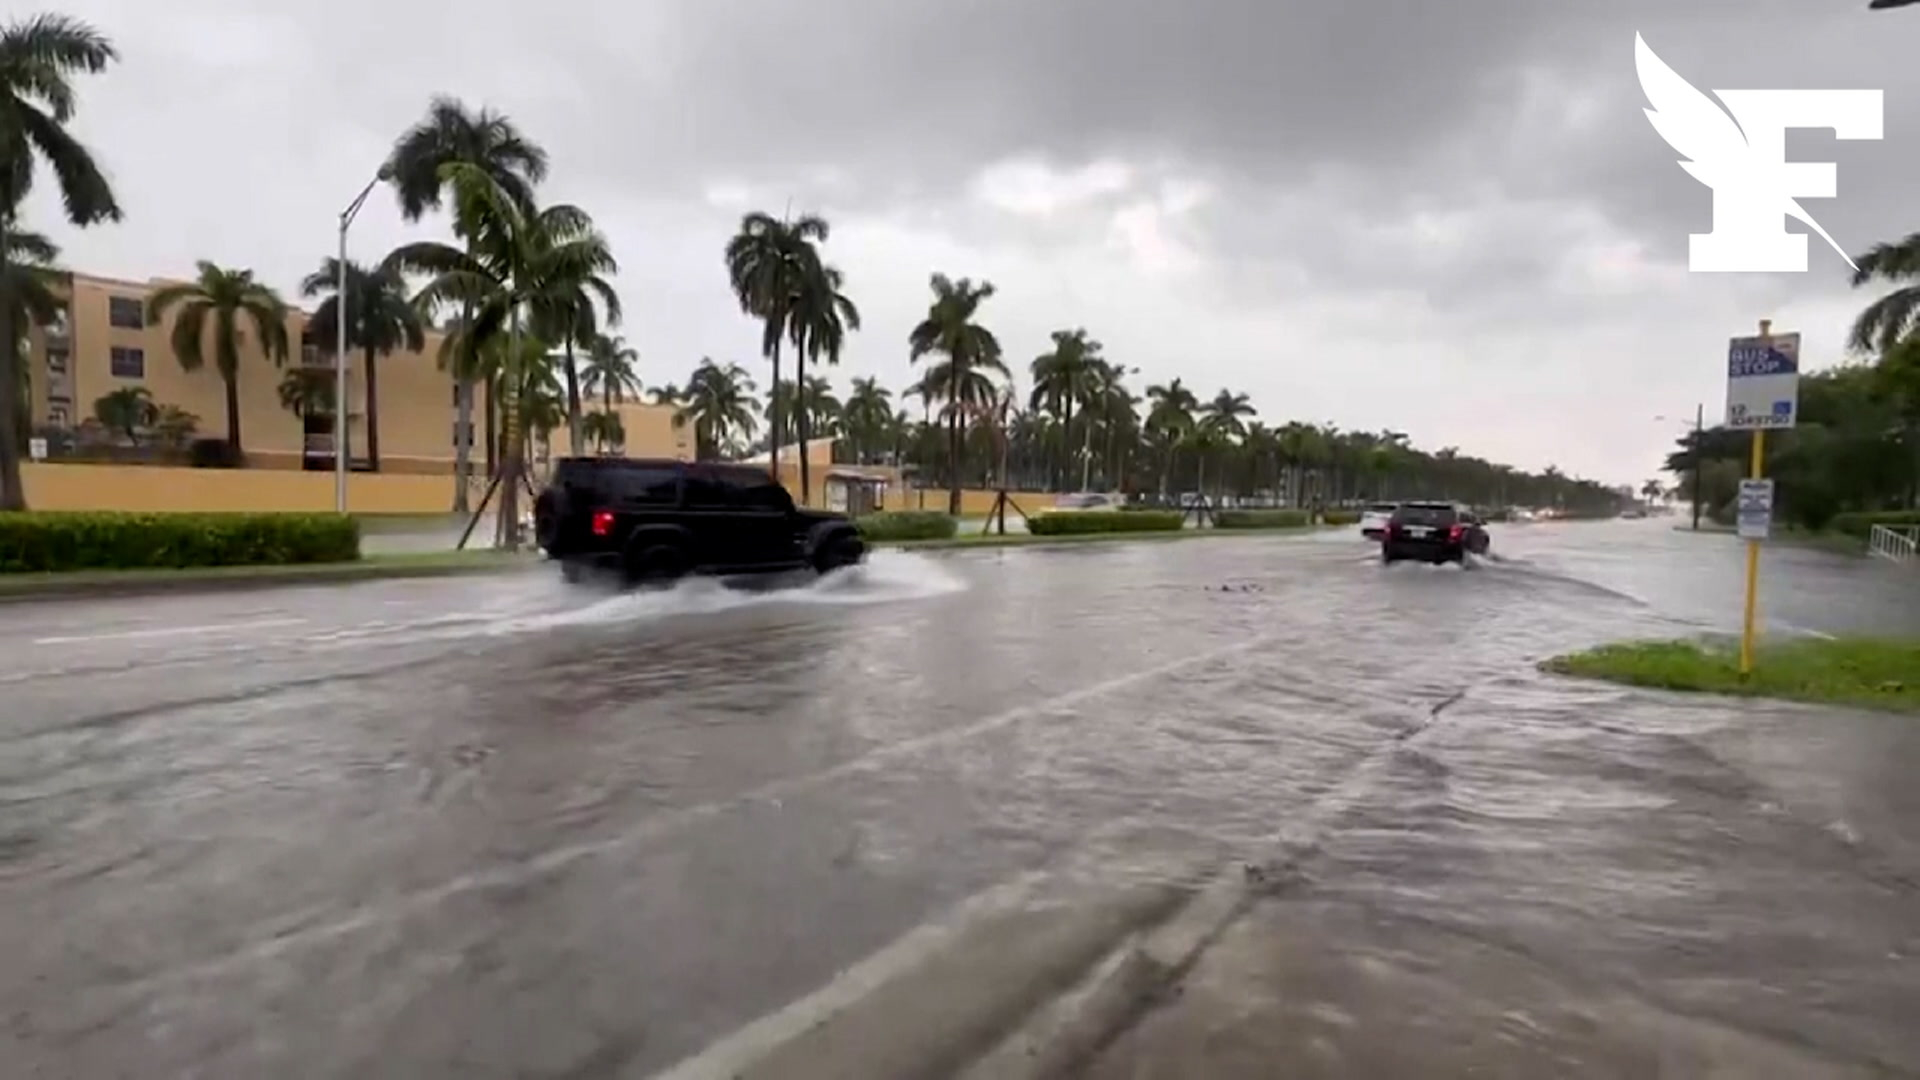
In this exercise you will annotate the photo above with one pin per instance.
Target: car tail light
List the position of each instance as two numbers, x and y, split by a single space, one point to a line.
602 522
1455 533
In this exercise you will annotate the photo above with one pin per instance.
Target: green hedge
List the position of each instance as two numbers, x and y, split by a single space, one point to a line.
53 542
908 525
1262 519
1340 517
1082 523
1860 523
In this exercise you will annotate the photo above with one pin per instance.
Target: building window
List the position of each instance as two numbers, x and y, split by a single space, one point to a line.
57 361
128 363
126 312
57 416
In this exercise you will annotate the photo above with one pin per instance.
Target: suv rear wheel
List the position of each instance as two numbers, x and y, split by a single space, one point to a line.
657 564
841 549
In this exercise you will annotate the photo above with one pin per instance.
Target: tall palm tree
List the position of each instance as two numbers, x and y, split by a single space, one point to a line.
719 402
768 262
31 291
490 142
819 320
564 310
867 417
818 407
1222 424
609 370
1896 316
1170 418
212 307
971 351
381 320
1062 379
128 411
516 259
39 56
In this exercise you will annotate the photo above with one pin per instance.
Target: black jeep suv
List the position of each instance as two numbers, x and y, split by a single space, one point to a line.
1435 532
657 521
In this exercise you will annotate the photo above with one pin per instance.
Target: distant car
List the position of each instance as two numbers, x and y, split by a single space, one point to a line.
1433 532
656 521
1373 520
1081 502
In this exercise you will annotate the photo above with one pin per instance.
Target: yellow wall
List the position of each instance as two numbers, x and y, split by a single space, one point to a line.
158 488
651 432
416 409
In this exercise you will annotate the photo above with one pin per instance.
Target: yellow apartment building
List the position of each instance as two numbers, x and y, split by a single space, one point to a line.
103 344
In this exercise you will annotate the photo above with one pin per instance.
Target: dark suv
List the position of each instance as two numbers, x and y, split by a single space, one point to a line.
1434 532
658 521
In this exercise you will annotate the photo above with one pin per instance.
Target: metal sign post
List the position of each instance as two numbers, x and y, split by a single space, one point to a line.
1763 392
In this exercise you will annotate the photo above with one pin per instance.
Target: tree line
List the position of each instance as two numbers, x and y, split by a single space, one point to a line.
521 296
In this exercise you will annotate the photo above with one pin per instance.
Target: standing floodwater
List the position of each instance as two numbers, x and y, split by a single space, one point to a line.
500 826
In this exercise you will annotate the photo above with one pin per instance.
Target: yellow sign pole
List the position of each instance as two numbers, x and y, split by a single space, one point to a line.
1755 468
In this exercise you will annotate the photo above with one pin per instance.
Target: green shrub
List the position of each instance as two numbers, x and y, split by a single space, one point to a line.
1105 521
53 542
1860 523
1262 519
1340 517
908 525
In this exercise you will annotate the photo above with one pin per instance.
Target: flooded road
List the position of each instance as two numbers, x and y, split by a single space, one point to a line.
498 827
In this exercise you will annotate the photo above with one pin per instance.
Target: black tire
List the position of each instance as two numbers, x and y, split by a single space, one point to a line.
842 549
549 511
657 565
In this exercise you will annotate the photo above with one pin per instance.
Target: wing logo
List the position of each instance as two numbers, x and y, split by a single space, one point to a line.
1739 152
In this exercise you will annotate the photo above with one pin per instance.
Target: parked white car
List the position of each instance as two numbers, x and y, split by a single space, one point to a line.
1373 520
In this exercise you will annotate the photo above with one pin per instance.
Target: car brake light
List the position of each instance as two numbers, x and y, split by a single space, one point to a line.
1455 532
602 522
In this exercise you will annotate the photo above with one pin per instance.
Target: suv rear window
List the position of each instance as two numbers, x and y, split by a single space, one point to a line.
1383 508
1425 515
654 484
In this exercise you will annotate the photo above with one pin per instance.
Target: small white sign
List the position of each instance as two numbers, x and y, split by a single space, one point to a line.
1763 381
1754 511
37 449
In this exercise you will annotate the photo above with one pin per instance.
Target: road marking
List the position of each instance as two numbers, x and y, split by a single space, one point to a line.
170 631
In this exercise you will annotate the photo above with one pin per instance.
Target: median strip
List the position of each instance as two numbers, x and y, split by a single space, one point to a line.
1872 673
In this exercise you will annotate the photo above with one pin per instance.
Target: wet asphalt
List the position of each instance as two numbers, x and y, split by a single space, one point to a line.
487 827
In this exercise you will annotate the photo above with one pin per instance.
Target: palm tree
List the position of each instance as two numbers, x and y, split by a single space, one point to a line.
306 391
490 142
605 431
517 260
971 352
819 321
174 426
1062 379
127 411
719 402
1170 419
609 370
563 310
212 306
769 262
1221 424
380 320
867 416
38 58
1896 316
821 412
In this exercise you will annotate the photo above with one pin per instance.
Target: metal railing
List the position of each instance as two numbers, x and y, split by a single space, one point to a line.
1895 543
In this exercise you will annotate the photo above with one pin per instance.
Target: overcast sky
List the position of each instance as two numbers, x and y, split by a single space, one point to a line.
1449 219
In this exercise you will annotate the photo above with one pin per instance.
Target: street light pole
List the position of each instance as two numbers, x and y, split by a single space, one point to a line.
340 435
